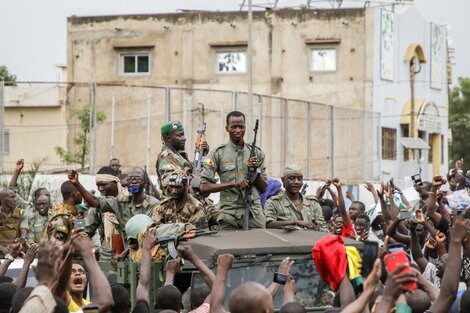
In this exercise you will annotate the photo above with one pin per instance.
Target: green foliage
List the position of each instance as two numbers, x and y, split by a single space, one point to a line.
459 120
6 76
81 140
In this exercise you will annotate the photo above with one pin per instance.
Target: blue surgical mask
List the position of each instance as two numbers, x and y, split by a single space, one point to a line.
134 189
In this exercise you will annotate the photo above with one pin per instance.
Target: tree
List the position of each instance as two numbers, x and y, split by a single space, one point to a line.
6 76
81 140
459 120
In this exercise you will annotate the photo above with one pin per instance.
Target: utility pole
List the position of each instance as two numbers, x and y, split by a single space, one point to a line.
412 99
249 65
2 123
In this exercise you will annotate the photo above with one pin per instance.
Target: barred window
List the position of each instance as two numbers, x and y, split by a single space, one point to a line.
389 143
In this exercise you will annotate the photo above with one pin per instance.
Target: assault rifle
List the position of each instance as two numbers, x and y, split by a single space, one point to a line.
251 177
172 241
198 152
303 189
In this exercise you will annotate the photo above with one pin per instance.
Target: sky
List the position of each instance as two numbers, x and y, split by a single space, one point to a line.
33 33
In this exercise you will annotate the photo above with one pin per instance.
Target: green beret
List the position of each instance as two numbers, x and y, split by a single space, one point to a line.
171 126
292 169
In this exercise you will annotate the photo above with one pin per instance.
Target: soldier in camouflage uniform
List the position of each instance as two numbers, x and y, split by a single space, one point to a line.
137 203
291 208
181 206
71 198
173 157
231 162
32 227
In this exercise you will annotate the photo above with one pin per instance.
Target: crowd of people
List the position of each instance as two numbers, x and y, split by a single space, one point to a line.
426 241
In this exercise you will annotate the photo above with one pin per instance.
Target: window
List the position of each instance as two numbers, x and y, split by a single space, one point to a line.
405 133
430 151
230 61
134 63
323 60
389 143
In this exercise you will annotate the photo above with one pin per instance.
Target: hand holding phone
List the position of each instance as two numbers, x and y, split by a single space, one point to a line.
79 224
399 259
280 278
417 179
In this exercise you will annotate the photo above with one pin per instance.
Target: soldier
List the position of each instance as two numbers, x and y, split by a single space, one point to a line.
71 198
291 208
34 223
10 219
173 157
181 206
137 203
231 162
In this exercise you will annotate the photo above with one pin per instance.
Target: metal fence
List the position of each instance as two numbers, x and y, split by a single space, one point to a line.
327 140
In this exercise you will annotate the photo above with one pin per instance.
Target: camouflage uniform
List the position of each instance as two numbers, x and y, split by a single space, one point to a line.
230 162
35 223
123 211
169 161
193 212
64 208
10 227
281 208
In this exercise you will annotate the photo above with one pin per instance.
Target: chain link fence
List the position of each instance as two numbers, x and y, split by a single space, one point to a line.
327 140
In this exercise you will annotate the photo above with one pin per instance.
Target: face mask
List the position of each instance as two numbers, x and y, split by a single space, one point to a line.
134 189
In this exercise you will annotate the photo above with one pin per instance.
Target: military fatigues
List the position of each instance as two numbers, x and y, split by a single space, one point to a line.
230 162
281 208
35 223
10 227
170 160
123 211
64 208
193 212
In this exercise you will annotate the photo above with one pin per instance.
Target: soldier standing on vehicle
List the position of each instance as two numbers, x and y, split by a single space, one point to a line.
173 156
231 162
291 208
181 206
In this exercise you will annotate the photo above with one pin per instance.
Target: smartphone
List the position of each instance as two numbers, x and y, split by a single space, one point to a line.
406 215
280 278
91 309
350 188
369 254
395 247
393 260
417 179
79 224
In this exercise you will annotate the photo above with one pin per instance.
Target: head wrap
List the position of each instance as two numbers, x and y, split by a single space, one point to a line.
177 179
292 169
122 192
171 126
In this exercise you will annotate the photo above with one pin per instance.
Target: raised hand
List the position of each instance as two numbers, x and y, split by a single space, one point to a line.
73 176
19 165
224 261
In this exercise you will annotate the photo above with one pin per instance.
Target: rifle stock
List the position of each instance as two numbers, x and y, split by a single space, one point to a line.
252 176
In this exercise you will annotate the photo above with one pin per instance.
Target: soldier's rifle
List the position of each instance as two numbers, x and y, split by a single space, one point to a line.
172 241
199 151
251 177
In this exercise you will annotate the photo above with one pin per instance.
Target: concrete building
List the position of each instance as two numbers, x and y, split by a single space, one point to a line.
35 122
319 69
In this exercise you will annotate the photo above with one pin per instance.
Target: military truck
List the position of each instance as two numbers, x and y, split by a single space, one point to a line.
258 253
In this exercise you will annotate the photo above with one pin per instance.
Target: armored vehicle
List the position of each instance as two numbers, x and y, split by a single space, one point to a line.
258 253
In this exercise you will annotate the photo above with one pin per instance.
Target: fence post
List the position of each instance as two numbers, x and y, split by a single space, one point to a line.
332 141
309 140
286 131
167 104
113 105
92 128
234 101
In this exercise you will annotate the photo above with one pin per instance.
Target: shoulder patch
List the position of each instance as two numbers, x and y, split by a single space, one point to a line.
209 162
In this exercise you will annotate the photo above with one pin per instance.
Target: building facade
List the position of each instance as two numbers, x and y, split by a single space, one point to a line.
315 79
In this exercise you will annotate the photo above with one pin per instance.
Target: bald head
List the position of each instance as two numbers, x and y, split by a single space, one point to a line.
251 297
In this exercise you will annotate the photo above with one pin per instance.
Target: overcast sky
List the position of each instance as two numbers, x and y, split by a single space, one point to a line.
33 33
